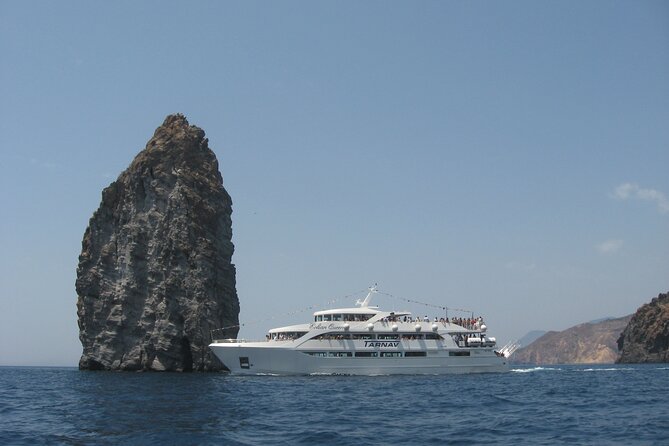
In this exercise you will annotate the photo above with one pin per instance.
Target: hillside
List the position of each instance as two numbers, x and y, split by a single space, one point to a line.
646 338
588 343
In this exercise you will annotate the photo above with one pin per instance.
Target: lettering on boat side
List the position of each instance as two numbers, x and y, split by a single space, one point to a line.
382 343
325 327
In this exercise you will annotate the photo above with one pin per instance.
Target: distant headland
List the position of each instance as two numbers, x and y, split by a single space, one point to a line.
639 338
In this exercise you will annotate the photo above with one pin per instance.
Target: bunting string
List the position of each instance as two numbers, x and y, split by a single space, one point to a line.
310 308
425 304
330 302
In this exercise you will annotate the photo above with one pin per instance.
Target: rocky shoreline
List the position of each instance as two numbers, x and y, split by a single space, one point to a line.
646 337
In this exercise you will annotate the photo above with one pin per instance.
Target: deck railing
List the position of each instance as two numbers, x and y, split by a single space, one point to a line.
236 341
222 335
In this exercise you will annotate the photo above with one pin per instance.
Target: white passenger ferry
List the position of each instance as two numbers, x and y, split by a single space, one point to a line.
364 340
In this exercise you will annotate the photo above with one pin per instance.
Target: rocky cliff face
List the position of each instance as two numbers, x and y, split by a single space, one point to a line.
155 272
646 338
589 343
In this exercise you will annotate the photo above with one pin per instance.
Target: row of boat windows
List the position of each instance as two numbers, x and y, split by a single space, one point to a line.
343 317
377 354
366 354
380 336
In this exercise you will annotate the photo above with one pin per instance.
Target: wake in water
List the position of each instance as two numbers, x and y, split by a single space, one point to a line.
611 369
575 369
535 369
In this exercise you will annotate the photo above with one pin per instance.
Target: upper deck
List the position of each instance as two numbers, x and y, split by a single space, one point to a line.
346 322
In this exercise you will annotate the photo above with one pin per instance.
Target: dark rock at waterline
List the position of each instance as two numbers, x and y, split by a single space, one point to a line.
155 272
646 337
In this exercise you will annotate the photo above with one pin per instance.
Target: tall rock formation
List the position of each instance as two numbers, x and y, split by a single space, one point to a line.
589 343
155 272
646 338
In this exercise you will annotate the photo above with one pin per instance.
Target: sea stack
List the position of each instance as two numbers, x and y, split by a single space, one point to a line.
155 273
646 337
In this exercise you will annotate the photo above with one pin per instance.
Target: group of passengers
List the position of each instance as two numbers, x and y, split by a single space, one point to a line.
468 323
468 340
381 338
291 336
410 319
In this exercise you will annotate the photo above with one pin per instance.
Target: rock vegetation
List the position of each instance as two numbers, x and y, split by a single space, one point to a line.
588 343
155 272
646 338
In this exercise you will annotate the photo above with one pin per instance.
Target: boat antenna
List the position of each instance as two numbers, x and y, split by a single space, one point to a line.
368 298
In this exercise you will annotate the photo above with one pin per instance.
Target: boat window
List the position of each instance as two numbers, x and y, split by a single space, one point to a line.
320 318
412 336
336 317
458 353
362 336
366 354
433 336
339 354
288 335
339 336
388 336
332 337
415 354
391 354
327 317
321 354
367 317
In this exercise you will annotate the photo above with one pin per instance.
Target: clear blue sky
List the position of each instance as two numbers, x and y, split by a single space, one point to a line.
508 157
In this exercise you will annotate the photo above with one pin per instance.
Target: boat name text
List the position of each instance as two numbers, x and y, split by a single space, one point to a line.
325 327
382 343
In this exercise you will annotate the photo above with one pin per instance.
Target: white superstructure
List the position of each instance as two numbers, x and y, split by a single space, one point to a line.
364 340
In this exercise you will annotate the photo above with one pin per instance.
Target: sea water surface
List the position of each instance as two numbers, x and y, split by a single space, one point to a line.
618 404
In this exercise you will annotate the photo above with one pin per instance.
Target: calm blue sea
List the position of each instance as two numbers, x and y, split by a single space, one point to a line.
551 405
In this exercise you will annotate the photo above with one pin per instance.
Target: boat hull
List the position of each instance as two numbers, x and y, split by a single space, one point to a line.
264 358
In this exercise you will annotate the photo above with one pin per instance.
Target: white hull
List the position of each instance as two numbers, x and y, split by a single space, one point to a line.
366 341
283 360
